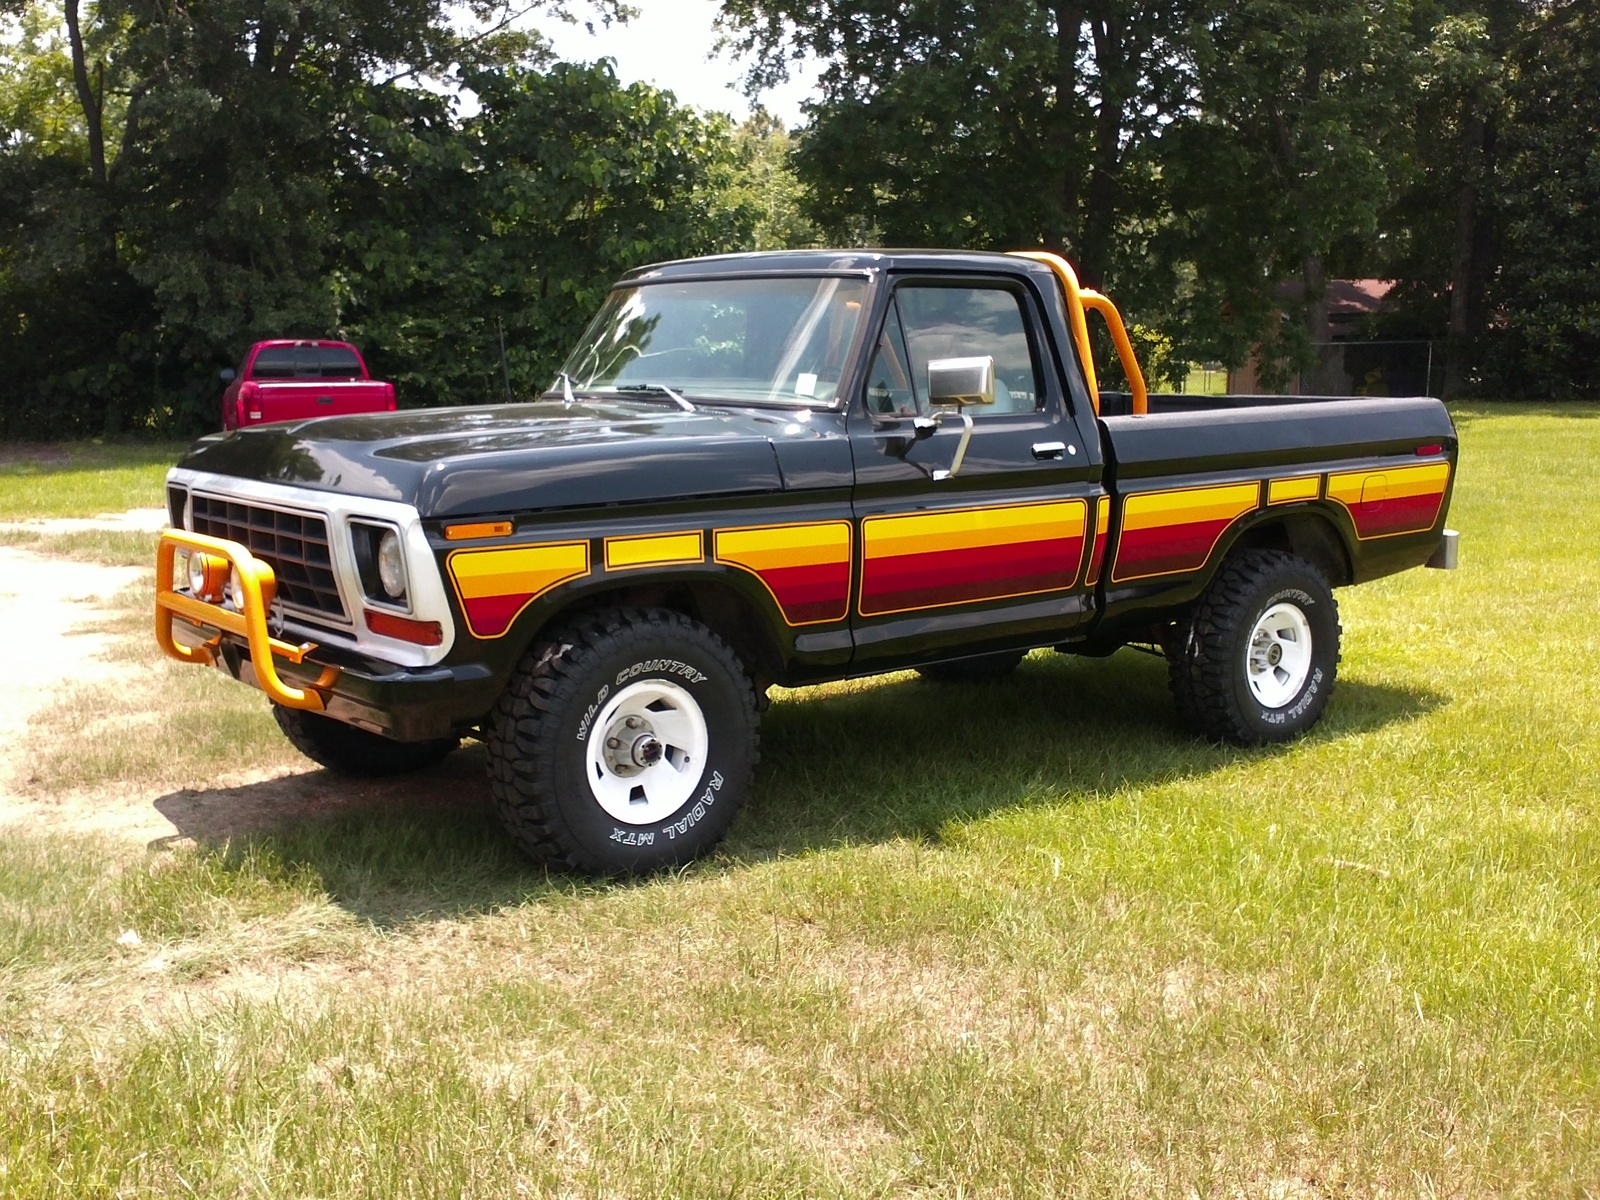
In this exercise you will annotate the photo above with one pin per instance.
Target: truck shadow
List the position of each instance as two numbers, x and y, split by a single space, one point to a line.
868 762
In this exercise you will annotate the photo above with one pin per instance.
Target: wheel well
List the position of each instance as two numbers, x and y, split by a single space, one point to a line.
722 609
1311 536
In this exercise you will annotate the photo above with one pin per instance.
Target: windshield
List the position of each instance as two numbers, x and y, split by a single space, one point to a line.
761 340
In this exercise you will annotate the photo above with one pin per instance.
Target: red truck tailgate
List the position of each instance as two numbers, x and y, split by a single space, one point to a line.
294 400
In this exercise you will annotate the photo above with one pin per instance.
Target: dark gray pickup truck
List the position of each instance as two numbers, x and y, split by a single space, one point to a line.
780 469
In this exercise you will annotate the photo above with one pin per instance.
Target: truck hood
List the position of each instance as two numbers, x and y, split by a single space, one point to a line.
451 462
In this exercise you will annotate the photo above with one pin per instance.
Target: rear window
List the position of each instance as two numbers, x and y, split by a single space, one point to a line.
335 362
275 362
306 362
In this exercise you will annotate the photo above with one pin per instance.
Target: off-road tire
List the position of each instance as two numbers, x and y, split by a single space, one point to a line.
544 735
1209 656
979 669
351 751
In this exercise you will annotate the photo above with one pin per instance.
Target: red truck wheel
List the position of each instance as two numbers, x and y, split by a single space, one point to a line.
623 744
1256 658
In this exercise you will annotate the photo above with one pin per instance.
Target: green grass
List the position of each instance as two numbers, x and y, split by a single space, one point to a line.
82 479
1016 940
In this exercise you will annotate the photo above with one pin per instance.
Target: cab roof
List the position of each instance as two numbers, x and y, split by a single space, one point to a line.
783 262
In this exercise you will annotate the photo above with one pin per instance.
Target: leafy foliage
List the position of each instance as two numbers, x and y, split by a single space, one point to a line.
278 170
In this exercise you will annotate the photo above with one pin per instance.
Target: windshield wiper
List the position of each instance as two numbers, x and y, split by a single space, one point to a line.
676 397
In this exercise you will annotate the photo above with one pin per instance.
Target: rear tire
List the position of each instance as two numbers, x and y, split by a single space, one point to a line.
1255 660
623 744
351 751
979 669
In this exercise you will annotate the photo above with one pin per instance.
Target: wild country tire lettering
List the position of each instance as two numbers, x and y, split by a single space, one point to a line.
637 837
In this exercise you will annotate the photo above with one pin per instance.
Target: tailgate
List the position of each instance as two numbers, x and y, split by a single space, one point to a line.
296 400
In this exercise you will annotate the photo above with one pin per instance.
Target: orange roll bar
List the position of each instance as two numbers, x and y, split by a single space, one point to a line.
1079 301
259 586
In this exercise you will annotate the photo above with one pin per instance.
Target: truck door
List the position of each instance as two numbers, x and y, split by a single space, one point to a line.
998 554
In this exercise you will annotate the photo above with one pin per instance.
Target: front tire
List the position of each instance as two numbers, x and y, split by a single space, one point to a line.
623 744
356 752
1256 658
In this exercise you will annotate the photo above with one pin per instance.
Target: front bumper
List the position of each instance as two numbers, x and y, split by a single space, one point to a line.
404 703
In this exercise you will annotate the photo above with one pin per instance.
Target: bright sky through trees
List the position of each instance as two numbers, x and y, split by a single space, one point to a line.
670 45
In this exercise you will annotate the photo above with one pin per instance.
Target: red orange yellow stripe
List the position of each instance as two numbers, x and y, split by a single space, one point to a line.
1390 502
930 560
495 585
806 567
1168 532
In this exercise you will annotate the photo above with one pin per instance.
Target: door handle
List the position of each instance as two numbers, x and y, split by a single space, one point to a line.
324 399
1048 450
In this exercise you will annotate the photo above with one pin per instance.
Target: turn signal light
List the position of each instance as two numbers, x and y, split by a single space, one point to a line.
419 633
477 529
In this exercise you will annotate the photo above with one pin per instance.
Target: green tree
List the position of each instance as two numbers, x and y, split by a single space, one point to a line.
516 223
1282 170
1545 295
1007 123
764 182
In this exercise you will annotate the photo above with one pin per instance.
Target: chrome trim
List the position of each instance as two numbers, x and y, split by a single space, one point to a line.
429 599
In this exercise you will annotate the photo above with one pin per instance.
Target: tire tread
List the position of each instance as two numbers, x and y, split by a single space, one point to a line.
1202 668
521 743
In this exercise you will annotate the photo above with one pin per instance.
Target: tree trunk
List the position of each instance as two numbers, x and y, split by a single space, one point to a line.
90 102
1466 276
1069 22
1099 219
1319 379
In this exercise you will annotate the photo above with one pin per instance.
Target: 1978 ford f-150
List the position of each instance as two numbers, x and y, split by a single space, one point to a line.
780 469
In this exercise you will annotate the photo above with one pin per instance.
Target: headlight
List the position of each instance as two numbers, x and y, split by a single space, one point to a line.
207 575
391 565
236 589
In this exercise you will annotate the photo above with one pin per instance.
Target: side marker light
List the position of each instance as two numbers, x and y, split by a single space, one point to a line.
419 633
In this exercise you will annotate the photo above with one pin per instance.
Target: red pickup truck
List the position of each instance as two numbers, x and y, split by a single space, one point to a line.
286 380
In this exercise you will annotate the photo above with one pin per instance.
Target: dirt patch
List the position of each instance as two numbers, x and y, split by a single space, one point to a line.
14 454
50 608
135 520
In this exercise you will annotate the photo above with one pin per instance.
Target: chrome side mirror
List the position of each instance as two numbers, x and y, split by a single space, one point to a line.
957 381
961 381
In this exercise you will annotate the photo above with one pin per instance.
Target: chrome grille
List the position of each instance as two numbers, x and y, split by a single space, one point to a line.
294 544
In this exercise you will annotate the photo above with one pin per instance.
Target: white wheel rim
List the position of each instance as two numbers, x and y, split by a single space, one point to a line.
1278 659
647 752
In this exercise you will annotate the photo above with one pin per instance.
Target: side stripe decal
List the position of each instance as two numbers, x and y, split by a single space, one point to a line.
930 560
1164 533
1097 555
1386 503
654 550
1287 491
496 584
805 567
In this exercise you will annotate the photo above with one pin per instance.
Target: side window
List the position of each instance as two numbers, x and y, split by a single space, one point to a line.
966 322
890 389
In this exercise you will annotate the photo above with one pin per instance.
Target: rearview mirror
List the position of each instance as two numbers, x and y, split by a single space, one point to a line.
961 381
226 375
